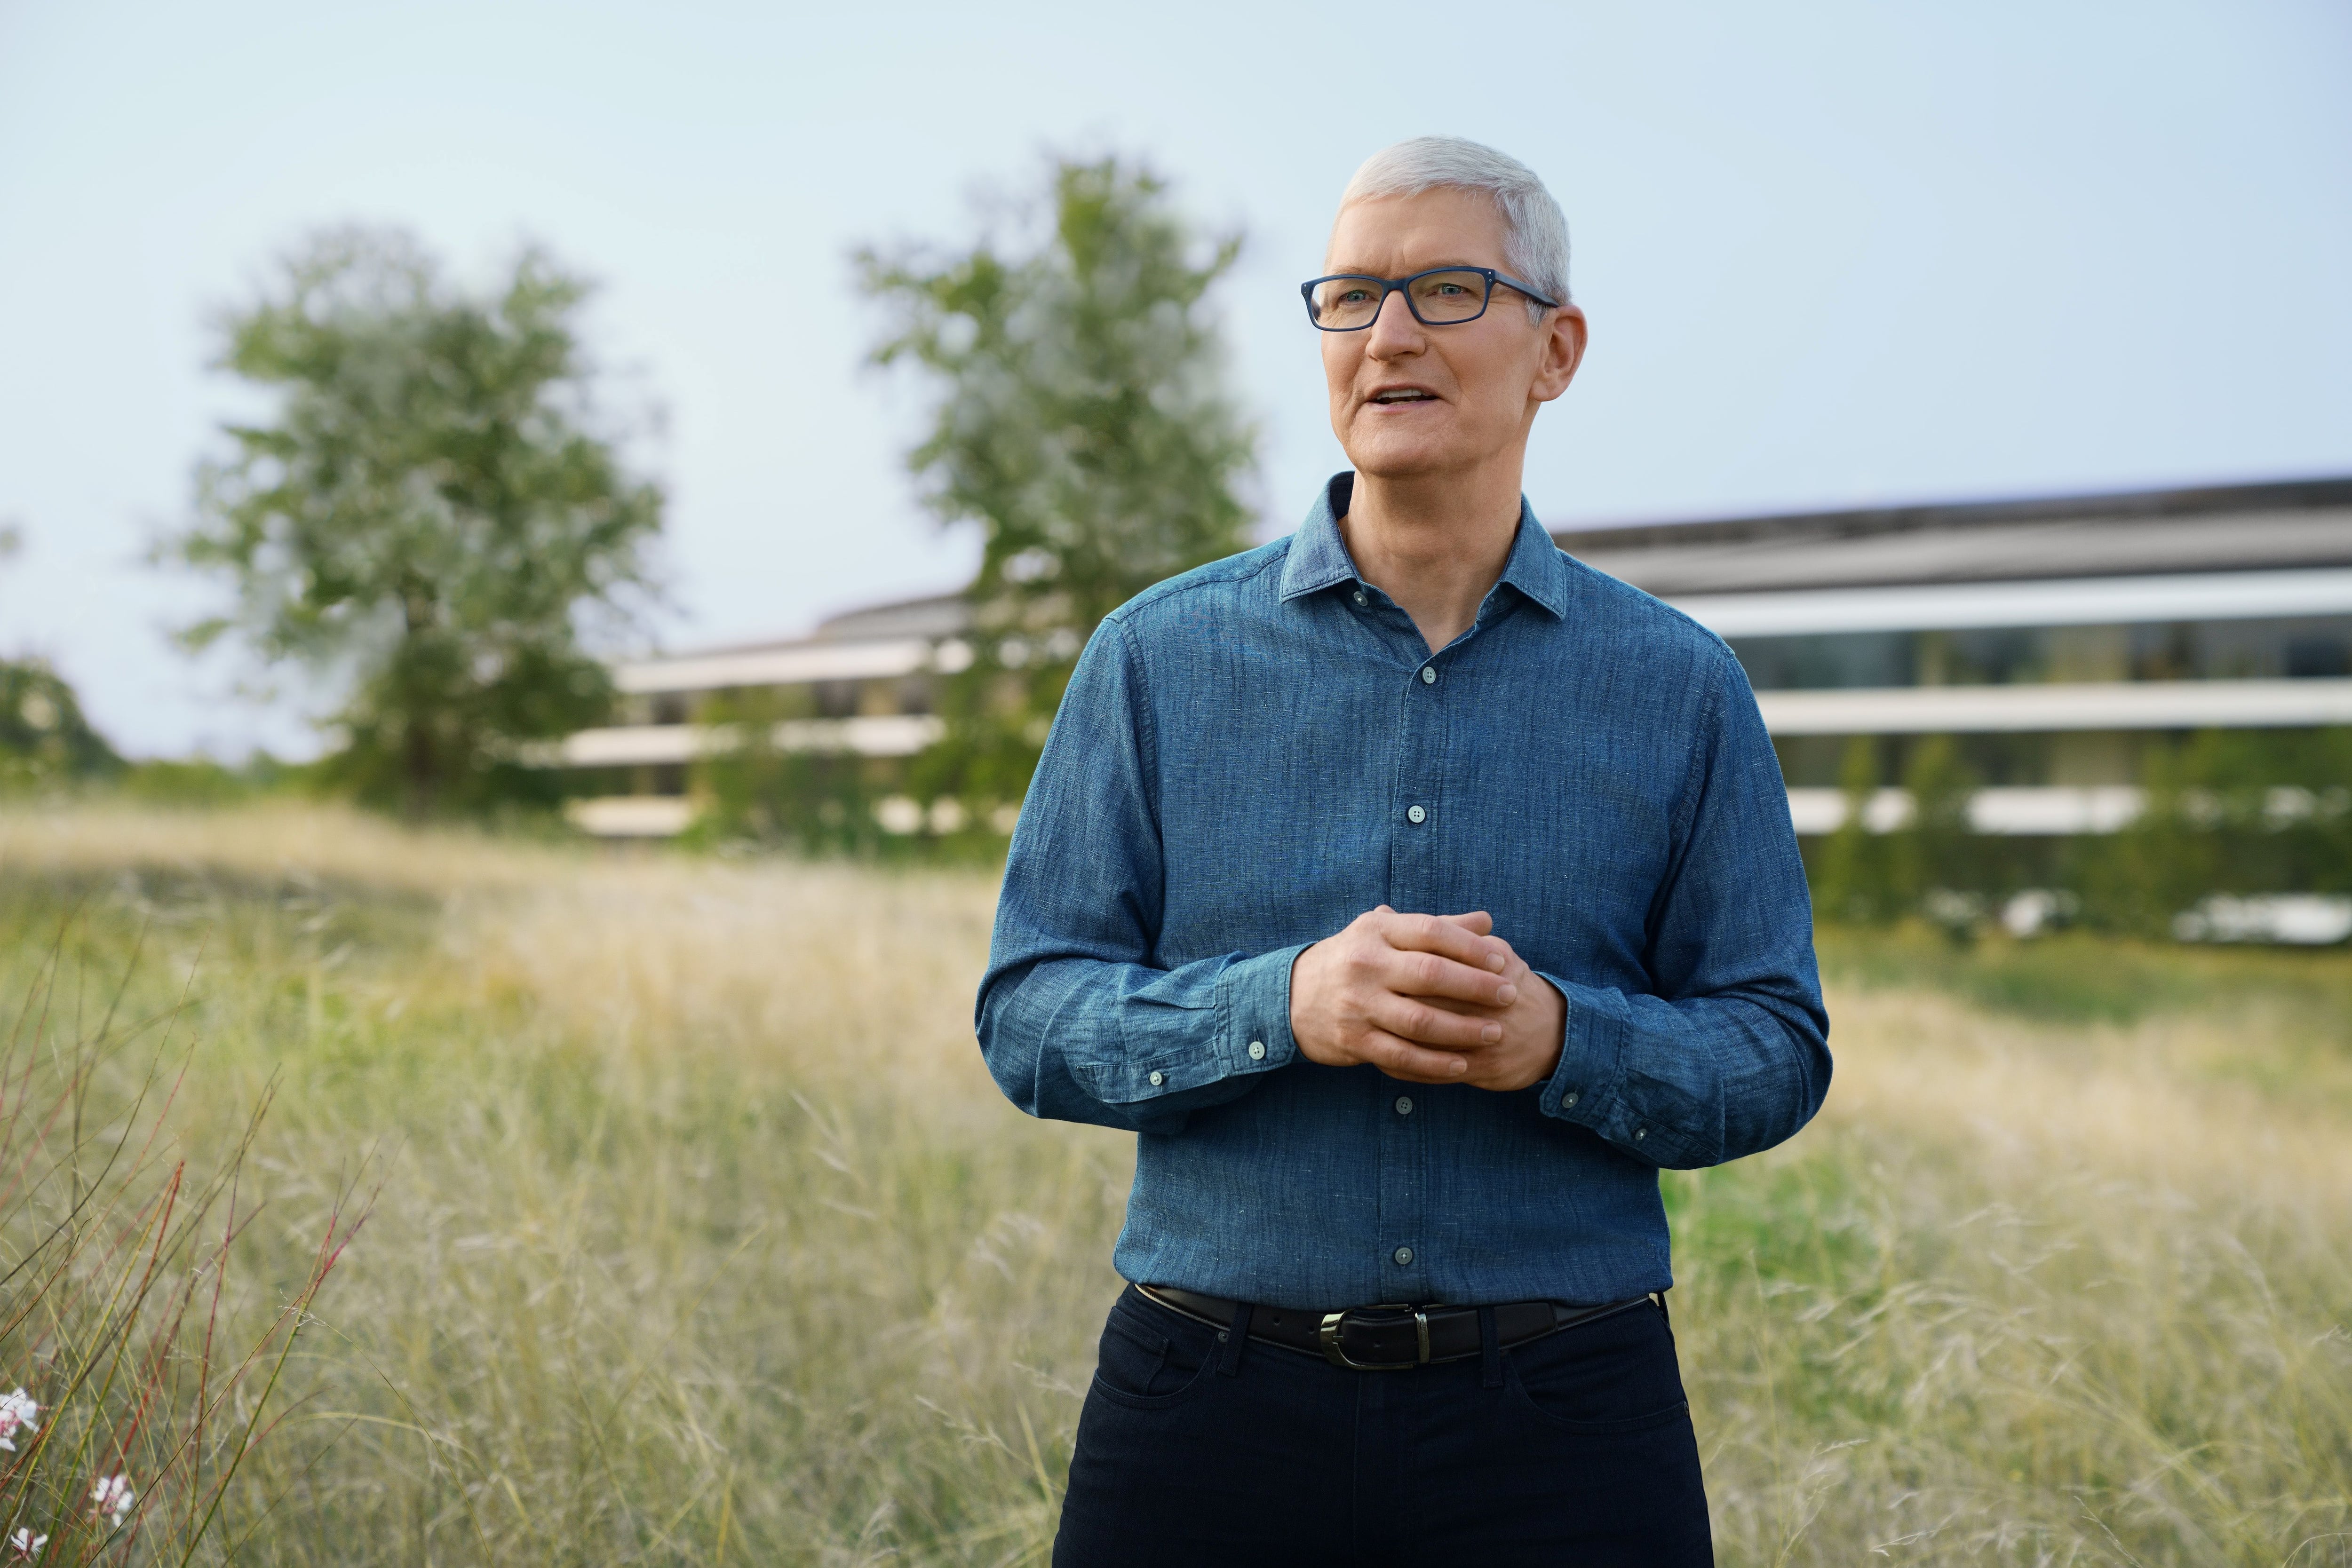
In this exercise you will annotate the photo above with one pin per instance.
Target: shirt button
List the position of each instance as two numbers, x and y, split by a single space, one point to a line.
1360 599
1428 677
1405 1104
1403 1256
1568 1099
1157 1078
1415 815
1257 1051
1641 1133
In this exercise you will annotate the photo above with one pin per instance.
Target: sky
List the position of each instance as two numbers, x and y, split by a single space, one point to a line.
1834 253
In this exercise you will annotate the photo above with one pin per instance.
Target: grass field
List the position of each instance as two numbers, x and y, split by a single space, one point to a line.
701 1236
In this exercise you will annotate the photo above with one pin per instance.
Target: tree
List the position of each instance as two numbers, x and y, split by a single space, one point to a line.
2226 811
437 516
1850 883
44 739
1937 850
1082 421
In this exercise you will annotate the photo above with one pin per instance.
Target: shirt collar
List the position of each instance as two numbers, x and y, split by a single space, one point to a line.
1319 556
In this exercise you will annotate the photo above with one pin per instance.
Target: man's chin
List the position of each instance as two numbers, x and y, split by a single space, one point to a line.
1400 464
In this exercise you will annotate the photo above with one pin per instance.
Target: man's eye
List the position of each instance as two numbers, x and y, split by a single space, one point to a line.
1449 288
1355 297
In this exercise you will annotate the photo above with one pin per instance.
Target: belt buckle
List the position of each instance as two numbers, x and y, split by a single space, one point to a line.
1336 1355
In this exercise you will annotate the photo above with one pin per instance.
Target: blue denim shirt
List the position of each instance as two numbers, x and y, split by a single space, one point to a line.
1253 754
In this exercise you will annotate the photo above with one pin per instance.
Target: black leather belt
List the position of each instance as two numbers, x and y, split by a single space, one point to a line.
1387 1338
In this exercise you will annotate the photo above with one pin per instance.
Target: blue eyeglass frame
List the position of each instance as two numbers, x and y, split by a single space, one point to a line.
1400 285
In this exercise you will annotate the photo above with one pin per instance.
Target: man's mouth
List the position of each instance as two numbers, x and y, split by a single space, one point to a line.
1403 394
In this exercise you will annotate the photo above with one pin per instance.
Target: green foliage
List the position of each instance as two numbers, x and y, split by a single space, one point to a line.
1082 421
2228 811
757 792
44 739
1933 863
2082 977
1850 878
1936 849
435 515
202 782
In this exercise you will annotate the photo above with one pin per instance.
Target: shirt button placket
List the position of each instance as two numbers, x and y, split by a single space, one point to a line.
1415 884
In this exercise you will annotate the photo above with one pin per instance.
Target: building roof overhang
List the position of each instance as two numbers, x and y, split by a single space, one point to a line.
2290 526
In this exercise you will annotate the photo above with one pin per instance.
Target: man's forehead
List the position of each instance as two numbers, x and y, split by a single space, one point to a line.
1431 227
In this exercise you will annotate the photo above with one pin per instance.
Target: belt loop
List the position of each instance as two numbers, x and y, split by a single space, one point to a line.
1660 1297
1235 1337
1490 1350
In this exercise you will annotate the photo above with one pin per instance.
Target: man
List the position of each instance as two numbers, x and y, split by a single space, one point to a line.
1415 893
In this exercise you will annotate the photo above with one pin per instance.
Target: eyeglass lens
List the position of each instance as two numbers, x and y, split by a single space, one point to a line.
1342 303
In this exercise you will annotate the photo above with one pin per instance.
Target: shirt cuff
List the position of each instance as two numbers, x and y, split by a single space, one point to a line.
1583 1088
1254 1012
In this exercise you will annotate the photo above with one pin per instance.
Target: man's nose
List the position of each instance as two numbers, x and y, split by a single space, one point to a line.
1394 330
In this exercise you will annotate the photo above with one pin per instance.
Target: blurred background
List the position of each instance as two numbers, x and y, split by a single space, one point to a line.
1851 258
539 544
1994 349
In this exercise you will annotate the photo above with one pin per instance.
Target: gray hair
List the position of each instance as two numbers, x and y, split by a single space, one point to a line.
1535 232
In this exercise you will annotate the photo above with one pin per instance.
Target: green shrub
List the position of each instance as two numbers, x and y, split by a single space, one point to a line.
45 740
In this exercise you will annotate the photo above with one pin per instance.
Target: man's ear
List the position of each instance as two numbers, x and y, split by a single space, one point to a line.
1563 352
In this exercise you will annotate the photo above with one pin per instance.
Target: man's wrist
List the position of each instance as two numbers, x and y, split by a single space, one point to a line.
1300 1032
1558 1028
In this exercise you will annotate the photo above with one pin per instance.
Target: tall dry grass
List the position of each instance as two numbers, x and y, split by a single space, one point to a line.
704 1238
2030 1295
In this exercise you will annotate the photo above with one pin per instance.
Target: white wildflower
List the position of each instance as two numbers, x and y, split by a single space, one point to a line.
26 1545
17 1411
112 1495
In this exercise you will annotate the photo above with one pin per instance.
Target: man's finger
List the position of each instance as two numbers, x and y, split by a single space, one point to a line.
1402 1059
1428 975
1478 923
1468 1009
1419 1021
1445 937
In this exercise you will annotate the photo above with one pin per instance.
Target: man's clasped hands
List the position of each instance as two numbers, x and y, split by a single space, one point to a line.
1429 999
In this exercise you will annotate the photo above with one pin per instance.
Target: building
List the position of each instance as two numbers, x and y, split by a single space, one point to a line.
859 686
2054 638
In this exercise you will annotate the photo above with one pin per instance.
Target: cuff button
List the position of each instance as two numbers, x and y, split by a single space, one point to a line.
1157 1078
1257 1051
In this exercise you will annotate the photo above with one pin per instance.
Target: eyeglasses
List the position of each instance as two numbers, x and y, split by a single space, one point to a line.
1441 296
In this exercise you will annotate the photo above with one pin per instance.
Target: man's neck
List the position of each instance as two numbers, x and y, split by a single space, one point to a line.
1434 545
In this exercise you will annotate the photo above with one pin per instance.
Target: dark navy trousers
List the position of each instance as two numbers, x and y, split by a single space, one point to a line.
1200 1449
